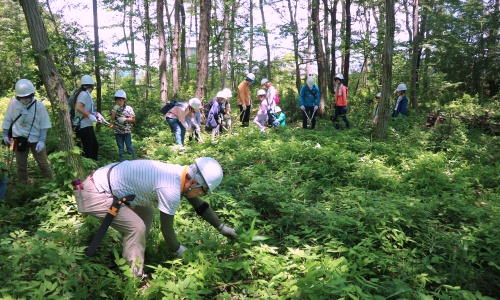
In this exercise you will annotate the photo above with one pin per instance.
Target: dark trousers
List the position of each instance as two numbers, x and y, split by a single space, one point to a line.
310 112
245 115
342 112
89 142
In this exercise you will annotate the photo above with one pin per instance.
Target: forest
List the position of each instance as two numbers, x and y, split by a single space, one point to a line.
405 208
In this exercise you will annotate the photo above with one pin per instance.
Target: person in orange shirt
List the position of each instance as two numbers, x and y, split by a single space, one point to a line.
340 91
245 100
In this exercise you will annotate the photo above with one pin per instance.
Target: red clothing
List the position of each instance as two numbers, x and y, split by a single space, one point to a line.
341 98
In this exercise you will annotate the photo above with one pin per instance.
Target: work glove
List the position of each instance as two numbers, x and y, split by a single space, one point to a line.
302 107
227 231
39 146
116 108
92 118
315 108
181 250
121 119
7 141
244 107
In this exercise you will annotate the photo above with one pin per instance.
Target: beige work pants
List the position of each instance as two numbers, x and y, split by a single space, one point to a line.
133 225
22 163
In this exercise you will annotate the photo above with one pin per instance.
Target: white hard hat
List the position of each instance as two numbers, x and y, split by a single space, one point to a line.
264 81
261 93
24 88
221 94
195 103
87 80
401 87
210 170
250 77
310 81
227 92
277 109
339 76
120 94
378 95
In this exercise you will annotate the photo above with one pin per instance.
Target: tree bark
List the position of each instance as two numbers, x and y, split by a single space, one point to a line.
132 41
415 58
162 51
225 55
250 53
347 42
147 44
202 48
175 49
333 26
53 82
97 61
295 37
266 39
320 54
383 110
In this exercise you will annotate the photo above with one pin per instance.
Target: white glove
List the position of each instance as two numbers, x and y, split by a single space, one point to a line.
116 108
92 118
181 250
7 141
39 146
121 119
244 107
227 231
302 107
315 108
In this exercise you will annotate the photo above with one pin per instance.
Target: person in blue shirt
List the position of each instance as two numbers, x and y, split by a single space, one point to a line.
401 102
309 99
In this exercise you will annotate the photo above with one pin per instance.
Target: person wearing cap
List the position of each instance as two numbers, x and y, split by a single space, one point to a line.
281 116
85 117
176 119
340 92
309 99
375 111
155 185
401 101
245 99
30 122
123 117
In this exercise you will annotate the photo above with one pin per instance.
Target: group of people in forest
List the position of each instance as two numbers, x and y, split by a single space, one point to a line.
154 183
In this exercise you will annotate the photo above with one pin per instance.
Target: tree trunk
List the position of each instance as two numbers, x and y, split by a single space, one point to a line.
383 111
326 26
147 44
132 42
53 83
295 37
320 54
250 54
415 58
266 39
96 57
225 55
333 26
162 52
347 45
203 48
184 59
175 49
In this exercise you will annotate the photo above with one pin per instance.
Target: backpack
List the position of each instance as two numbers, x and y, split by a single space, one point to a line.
70 104
168 106
207 108
276 98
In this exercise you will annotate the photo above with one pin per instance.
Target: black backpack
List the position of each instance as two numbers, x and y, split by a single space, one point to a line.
70 104
207 108
168 106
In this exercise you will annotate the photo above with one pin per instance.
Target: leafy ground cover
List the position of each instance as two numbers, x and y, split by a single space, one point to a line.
320 214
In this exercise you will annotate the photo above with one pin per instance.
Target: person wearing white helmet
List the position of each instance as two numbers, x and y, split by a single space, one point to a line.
309 99
245 99
375 112
340 92
261 118
123 117
270 98
281 116
155 185
85 117
214 116
177 120
25 127
401 101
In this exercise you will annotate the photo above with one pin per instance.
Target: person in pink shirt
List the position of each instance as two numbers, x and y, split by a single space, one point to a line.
340 91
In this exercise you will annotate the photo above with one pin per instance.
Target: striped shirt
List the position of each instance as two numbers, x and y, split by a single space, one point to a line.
152 182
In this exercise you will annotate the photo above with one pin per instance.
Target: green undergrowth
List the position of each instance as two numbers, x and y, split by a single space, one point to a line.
321 214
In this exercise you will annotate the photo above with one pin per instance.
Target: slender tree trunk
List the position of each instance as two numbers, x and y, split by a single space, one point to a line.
147 44
175 49
320 54
347 44
415 58
250 54
53 82
96 57
132 42
333 25
266 39
225 55
162 52
309 57
383 111
233 56
295 37
184 60
202 49
326 26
